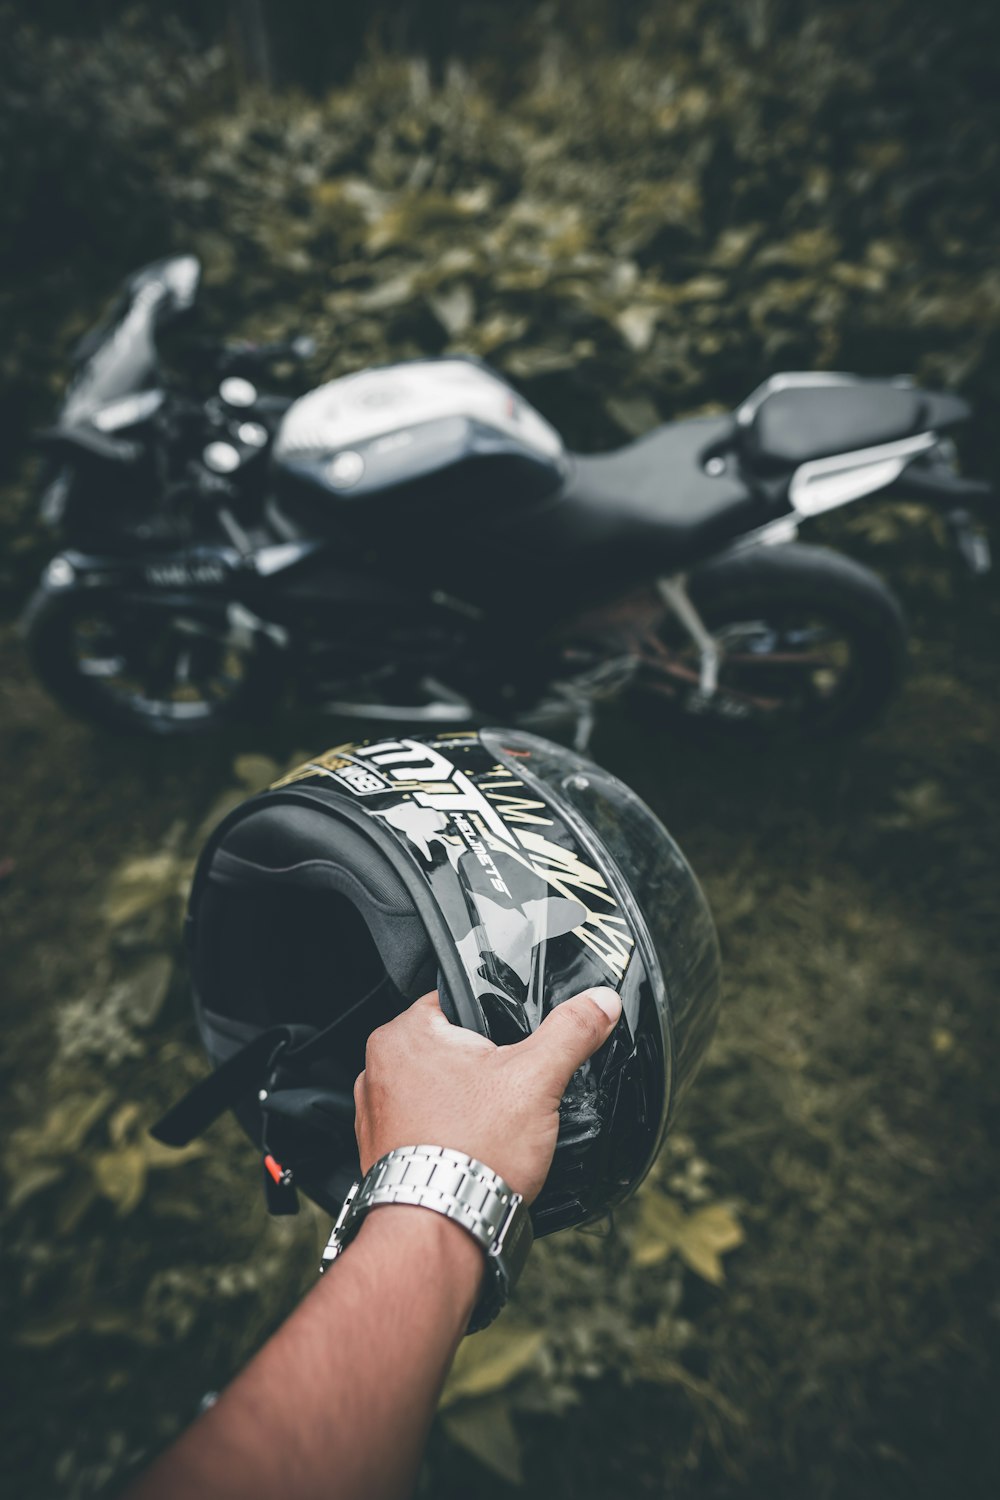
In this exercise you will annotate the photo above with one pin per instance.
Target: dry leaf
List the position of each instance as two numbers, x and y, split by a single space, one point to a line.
637 325
121 1124
254 771
485 1430
31 1180
74 1202
656 1233
705 1237
121 1177
64 1128
141 884
491 1361
700 1239
81 1317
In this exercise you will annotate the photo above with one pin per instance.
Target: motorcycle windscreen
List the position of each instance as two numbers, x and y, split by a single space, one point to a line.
120 354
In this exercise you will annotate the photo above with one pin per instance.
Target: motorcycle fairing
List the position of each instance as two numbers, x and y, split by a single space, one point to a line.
424 436
118 357
386 402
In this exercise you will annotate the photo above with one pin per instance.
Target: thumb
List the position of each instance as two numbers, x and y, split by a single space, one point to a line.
571 1033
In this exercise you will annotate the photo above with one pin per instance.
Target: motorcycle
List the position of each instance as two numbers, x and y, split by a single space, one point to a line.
415 544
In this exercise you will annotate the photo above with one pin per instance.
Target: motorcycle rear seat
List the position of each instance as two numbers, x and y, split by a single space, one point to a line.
800 423
651 504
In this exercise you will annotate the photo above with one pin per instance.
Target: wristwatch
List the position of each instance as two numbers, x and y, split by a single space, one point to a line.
462 1189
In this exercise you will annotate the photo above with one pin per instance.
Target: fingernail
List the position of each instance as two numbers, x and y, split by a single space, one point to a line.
608 1000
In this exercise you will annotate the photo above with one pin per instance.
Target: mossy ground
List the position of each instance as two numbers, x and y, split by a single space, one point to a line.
629 238
848 1112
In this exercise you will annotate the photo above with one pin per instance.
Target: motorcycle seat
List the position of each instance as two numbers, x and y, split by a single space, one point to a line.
650 505
795 424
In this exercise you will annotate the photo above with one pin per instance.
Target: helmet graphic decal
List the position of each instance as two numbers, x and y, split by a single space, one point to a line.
458 807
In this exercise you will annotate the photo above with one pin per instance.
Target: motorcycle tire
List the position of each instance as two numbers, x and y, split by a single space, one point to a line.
51 637
813 645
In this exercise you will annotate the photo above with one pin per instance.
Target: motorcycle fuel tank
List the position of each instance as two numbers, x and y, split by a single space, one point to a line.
438 434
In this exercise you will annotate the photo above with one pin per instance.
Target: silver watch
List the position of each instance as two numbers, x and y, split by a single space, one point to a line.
462 1189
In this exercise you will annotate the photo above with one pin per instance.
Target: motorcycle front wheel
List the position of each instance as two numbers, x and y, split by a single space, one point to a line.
142 669
812 645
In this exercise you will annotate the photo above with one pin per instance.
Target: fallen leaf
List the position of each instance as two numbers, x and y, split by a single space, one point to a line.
637 325
74 1201
454 308
121 1177
138 998
656 1233
254 771
64 1128
141 884
700 1239
662 1370
81 1317
491 1361
705 1237
921 806
484 1429
33 1179
121 1124
160 1156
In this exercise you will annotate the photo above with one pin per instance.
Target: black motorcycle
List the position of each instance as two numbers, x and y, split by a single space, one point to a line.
415 544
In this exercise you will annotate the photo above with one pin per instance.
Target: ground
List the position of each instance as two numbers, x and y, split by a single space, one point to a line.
846 1120
804 1300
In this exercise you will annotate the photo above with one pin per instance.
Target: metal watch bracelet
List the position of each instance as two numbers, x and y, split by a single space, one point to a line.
461 1188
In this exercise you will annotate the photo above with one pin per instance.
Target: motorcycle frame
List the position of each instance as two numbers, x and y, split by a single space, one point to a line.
821 485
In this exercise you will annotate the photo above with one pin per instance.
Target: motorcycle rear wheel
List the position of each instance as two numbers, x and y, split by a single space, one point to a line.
813 646
139 670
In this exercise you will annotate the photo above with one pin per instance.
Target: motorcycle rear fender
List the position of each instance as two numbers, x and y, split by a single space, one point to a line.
825 484
917 467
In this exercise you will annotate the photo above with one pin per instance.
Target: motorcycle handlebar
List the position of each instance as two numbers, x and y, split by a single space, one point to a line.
88 440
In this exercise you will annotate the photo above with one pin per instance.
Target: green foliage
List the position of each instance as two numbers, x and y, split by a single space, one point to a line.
627 236
796 1302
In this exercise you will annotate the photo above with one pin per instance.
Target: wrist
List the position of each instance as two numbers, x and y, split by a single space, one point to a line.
457 1187
455 1264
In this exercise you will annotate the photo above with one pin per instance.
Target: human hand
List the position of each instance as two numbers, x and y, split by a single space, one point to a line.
429 1083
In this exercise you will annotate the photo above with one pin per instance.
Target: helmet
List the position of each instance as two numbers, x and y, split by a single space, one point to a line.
504 870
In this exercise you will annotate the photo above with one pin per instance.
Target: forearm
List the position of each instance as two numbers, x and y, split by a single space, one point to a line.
337 1404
